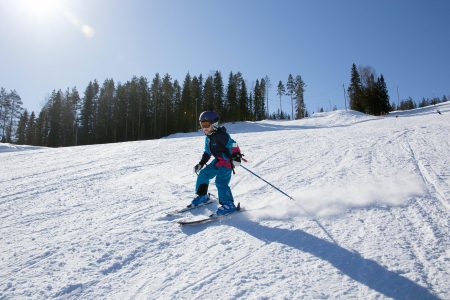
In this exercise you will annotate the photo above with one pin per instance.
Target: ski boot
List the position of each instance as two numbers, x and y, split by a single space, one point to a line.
226 208
199 200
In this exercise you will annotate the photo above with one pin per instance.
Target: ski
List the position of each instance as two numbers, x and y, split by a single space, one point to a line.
189 207
210 218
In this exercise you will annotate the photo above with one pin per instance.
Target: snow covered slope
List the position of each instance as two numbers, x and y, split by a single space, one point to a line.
370 217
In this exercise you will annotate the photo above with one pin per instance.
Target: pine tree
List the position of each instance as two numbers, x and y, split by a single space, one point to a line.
31 133
355 91
88 113
371 104
168 103
383 96
120 114
4 113
187 106
243 102
177 92
231 113
104 113
22 128
236 111
267 85
197 98
280 92
299 90
143 96
72 108
55 134
290 91
135 109
208 94
259 110
251 106
218 93
42 127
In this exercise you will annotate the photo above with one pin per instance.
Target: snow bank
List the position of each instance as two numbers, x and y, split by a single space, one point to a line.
5 147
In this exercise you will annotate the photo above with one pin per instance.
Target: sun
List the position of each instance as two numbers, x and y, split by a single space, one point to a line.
40 9
46 13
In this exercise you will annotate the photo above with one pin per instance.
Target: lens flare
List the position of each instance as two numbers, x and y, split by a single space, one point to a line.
45 11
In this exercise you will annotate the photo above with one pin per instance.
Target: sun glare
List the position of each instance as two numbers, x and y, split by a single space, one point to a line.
41 8
47 11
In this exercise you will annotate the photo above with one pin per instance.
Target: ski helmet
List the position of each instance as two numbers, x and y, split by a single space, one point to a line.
211 117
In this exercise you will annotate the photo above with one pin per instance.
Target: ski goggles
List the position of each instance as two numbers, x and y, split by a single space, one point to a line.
205 124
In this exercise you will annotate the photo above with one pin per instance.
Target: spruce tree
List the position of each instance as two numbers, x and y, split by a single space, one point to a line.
31 134
168 104
197 99
232 112
22 128
187 114
383 95
299 91
290 91
177 91
71 108
218 93
88 113
208 94
144 101
258 99
55 120
4 113
268 85
280 92
262 90
355 91
155 107
243 102
42 127
105 108
120 115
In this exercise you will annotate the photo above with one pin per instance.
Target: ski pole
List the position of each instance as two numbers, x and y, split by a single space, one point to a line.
278 189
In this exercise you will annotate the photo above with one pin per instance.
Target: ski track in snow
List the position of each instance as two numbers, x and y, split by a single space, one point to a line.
370 217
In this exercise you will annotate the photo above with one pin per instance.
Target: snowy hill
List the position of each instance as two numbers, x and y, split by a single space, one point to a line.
370 217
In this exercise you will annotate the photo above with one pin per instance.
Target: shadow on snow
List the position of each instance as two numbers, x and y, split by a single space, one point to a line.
365 271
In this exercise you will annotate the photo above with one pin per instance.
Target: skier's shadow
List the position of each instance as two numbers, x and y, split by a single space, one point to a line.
352 264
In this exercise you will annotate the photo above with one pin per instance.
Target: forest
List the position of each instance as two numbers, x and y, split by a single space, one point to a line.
141 109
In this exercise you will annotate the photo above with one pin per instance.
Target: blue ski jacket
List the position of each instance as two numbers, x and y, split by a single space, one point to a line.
220 145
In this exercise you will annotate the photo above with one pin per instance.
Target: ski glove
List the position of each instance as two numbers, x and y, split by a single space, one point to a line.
198 167
236 159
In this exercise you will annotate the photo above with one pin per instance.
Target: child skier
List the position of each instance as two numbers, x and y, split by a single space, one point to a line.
227 156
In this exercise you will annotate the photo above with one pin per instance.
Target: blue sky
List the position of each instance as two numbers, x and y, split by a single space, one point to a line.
55 44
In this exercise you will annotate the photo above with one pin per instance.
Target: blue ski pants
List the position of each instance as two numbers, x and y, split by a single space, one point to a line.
223 177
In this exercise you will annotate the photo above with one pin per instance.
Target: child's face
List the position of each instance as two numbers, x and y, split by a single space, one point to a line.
206 127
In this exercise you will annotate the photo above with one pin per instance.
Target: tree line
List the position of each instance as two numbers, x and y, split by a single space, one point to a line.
410 103
141 109
138 109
